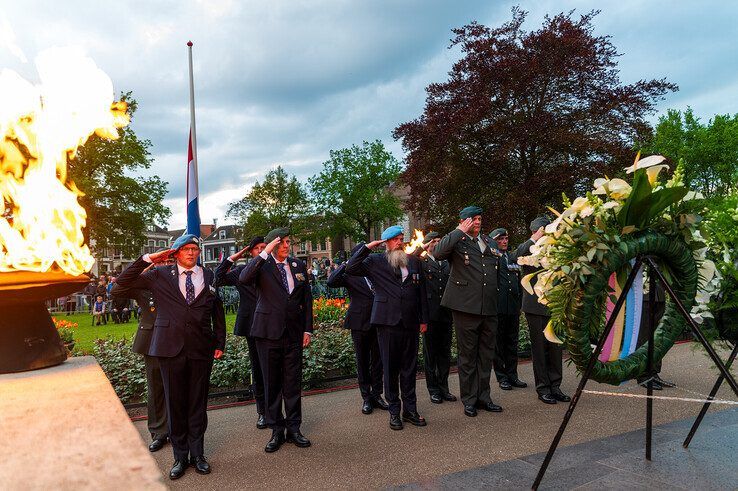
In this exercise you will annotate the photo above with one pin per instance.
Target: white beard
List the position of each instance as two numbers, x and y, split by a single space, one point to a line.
397 258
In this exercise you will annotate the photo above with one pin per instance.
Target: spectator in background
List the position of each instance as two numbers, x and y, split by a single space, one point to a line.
98 311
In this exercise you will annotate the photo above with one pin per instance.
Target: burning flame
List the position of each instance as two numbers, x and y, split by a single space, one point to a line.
41 127
416 243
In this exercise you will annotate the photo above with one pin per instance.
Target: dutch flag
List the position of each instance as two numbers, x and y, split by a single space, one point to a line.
193 210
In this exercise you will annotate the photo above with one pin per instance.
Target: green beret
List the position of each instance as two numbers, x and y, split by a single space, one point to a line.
470 212
281 232
539 222
430 236
498 232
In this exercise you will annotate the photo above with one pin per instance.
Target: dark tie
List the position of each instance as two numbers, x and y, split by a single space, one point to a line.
189 288
283 274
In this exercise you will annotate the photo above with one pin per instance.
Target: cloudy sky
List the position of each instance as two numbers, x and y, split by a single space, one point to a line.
284 82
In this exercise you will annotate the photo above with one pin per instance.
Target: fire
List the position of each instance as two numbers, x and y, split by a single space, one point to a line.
415 243
41 127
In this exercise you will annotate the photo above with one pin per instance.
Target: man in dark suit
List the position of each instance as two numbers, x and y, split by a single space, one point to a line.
156 408
225 275
282 326
437 339
189 332
547 356
363 334
399 314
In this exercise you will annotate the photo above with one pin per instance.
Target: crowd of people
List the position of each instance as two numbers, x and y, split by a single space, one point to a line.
96 298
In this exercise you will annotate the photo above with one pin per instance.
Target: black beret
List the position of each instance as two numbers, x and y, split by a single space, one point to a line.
256 241
281 232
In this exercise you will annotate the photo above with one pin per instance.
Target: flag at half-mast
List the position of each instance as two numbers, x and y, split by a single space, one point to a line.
193 209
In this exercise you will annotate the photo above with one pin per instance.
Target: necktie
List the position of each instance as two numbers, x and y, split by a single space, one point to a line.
189 288
283 274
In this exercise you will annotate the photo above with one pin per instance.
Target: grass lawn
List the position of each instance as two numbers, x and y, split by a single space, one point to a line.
86 334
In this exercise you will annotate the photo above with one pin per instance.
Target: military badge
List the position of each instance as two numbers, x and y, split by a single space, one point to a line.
300 277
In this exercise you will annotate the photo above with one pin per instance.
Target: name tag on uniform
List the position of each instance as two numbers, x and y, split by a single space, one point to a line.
300 277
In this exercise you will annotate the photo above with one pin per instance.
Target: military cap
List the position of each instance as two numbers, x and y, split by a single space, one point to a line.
470 212
498 232
256 241
429 237
392 232
539 222
281 232
184 240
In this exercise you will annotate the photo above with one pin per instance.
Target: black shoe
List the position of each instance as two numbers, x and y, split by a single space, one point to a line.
489 406
178 469
379 403
518 384
395 422
560 396
298 439
470 411
505 385
367 408
261 423
414 418
436 398
276 442
449 397
663 382
157 444
547 398
200 464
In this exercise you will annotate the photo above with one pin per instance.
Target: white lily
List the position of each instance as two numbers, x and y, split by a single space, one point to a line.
525 282
550 335
645 163
653 172
615 188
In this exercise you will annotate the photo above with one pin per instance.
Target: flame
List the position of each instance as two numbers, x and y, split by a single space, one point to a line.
415 243
41 127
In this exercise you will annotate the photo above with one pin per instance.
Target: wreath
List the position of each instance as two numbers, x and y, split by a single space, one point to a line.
599 235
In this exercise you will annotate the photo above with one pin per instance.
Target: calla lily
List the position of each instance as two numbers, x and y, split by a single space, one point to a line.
525 282
645 163
653 172
611 204
615 188
550 335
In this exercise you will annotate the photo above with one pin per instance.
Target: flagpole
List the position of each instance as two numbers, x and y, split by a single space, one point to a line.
193 139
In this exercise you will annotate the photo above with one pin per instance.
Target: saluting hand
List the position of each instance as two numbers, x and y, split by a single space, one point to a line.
270 246
466 225
235 257
373 244
537 234
161 256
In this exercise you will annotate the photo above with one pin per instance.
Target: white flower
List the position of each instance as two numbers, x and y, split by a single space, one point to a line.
550 335
653 172
645 163
614 188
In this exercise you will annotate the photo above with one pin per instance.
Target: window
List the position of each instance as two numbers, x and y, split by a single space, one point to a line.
208 254
232 250
222 234
162 243
152 243
302 247
323 245
313 246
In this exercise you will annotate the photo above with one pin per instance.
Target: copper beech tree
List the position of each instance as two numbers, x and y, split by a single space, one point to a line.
523 117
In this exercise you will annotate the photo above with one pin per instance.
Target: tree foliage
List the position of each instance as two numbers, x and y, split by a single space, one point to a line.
119 203
709 152
352 189
523 117
279 201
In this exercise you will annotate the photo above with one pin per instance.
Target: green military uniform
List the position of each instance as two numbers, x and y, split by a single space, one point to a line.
471 294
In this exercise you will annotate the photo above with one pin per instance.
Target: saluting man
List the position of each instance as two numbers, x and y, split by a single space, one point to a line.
226 275
399 314
189 332
437 339
471 294
283 323
364 335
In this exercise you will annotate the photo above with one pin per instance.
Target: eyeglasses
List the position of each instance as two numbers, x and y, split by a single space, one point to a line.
192 249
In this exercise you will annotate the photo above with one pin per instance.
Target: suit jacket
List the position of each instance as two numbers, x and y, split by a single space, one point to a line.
436 278
247 295
145 300
278 312
394 300
531 305
472 287
362 298
198 328
508 281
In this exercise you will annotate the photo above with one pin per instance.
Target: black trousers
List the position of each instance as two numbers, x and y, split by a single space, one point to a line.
186 383
257 376
281 366
643 333
547 356
505 361
156 404
475 337
398 346
437 356
368 363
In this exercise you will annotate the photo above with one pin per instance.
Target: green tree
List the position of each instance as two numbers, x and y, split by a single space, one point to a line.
352 189
119 203
279 201
709 152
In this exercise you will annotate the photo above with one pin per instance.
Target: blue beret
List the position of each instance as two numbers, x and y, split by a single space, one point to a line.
498 232
539 222
392 232
184 240
470 212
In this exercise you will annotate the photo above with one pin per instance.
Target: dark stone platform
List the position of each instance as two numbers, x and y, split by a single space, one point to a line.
619 462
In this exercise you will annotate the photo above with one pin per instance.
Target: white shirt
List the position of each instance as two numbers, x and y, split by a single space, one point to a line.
290 279
198 278
404 272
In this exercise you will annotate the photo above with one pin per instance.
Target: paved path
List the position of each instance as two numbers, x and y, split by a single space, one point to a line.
351 450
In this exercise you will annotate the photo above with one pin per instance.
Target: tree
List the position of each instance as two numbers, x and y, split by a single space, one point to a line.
523 117
119 205
352 189
279 201
709 152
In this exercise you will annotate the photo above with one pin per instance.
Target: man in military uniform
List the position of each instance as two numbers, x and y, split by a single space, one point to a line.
437 339
505 361
471 294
